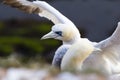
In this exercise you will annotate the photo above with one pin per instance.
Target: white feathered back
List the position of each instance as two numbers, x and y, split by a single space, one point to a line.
76 54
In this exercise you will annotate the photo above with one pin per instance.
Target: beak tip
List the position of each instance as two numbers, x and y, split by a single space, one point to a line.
42 38
47 36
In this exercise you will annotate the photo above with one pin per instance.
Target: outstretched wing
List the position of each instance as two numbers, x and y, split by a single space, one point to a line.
41 8
111 47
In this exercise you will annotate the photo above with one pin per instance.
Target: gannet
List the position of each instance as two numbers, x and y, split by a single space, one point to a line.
103 56
64 29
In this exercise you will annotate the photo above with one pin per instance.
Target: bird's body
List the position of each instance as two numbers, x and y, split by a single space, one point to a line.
65 30
107 60
76 54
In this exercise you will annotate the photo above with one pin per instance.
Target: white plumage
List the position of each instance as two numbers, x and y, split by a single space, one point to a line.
41 8
66 31
76 54
111 50
63 29
107 60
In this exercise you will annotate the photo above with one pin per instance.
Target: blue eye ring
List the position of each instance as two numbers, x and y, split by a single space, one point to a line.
59 33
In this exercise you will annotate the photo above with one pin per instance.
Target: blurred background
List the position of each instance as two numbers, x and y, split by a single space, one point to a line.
20 32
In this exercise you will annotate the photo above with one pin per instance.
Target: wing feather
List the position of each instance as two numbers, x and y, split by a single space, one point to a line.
41 8
111 46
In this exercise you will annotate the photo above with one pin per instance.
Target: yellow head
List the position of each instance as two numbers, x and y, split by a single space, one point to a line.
65 32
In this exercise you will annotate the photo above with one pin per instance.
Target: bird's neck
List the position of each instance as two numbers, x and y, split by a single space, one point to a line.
72 41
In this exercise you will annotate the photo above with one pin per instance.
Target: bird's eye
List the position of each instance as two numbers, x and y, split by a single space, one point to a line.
59 33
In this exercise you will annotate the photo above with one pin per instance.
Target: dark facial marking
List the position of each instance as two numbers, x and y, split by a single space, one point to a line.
59 33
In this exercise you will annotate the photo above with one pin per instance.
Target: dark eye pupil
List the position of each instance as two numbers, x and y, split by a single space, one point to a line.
59 33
